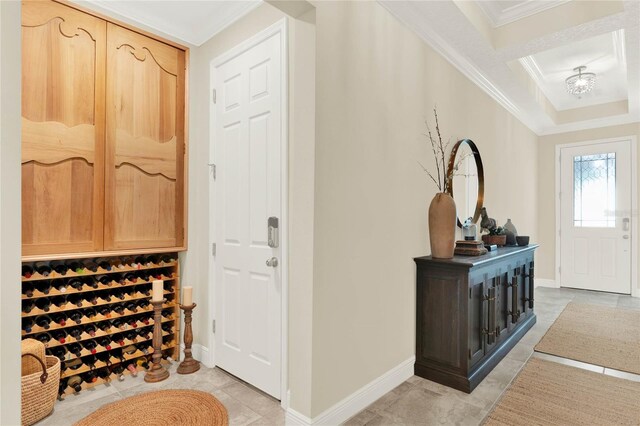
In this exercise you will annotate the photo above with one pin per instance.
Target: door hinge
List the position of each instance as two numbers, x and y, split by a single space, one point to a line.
213 325
559 269
469 293
213 170
469 353
214 96
213 249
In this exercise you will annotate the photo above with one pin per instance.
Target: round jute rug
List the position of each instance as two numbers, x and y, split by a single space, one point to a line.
165 407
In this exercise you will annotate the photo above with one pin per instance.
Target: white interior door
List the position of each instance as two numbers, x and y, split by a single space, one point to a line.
247 135
595 217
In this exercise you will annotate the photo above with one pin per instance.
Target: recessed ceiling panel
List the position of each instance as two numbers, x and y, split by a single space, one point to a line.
603 55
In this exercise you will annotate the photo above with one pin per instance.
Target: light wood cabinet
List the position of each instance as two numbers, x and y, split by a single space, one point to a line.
103 139
63 125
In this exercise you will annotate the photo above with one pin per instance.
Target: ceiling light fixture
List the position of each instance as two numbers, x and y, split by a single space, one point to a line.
580 83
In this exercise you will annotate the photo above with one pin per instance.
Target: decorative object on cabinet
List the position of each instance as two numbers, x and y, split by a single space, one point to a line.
442 210
466 180
511 232
470 311
470 248
99 145
487 223
99 321
469 228
495 236
522 240
39 382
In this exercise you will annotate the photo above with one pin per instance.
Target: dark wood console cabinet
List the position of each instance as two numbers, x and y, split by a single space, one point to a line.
470 312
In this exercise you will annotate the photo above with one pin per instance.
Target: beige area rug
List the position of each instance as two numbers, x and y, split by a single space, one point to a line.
160 408
599 335
548 393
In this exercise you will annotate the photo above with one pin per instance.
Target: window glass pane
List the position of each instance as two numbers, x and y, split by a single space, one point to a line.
594 190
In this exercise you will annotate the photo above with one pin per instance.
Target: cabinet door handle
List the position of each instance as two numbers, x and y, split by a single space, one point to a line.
515 313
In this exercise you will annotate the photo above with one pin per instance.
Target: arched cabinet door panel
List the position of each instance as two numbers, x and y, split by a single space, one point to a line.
145 150
63 125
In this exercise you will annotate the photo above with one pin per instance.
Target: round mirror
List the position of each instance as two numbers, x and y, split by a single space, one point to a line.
466 180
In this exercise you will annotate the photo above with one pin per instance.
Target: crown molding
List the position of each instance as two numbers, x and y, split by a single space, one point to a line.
516 12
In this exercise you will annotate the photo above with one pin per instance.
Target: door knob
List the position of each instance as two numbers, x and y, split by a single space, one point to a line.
273 262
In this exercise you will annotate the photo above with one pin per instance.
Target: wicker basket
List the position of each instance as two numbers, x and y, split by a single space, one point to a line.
40 379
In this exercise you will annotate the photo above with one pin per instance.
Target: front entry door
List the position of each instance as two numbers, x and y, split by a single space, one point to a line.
595 214
247 135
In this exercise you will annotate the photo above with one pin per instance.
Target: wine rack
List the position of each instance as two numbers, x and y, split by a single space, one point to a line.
95 315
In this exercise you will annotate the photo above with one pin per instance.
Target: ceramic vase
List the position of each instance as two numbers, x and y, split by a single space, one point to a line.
511 232
442 226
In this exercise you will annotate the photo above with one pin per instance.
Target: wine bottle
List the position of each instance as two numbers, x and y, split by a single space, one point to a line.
131 335
139 261
42 268
60 319
130 305
118 370
144 347
144 333
60 335
43 337
75 383
76 316
90 265
43 286
44 304
59 351
90 281
117 338
167 313
166 258
151 260
105 342
118 278
132 368
144 290
142 362
89 377
43 321
90 329
27 306
131 277
117 263
27 289
75 332
104 374
91 346
104 263
27 324
104 326
105 311
105 297
75 266
118 323
168 286
130 262
91 298
59 266
118 308
90 313
75 299
170 298
118 293
145 319
76 284
129 350
27 270
104 357
59 301
142 304
61 286
76 350
104 280
167 327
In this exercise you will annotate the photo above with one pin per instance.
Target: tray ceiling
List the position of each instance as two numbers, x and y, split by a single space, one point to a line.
521 52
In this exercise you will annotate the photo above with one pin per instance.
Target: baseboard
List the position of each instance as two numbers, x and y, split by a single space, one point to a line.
357 401
543 282
199 352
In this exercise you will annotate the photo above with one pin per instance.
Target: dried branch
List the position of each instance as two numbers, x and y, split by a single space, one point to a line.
435 154
430 175
442 149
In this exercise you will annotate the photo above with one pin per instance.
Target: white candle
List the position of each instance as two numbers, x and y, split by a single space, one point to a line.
187 296
158 287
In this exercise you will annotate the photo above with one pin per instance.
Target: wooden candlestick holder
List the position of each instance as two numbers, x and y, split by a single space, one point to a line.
189 364
157 372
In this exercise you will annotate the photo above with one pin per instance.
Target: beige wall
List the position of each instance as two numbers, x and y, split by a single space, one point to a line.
10 213
376 83
546 261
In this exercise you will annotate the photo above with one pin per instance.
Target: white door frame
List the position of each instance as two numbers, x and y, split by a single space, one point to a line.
635 292
278 27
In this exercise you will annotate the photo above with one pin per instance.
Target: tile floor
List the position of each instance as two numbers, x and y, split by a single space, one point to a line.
415 402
